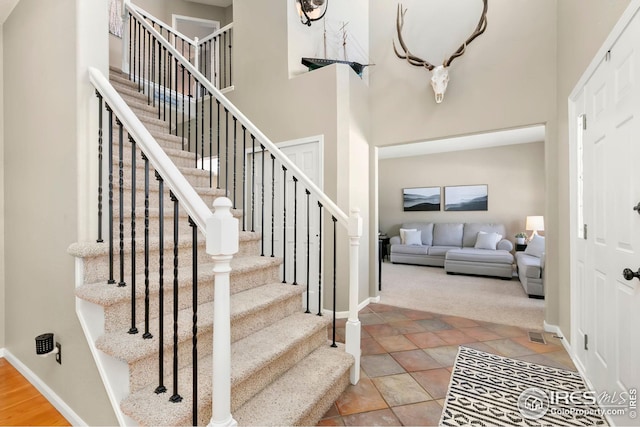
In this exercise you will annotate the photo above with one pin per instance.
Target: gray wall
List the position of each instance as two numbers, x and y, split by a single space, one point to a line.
41 198
514 175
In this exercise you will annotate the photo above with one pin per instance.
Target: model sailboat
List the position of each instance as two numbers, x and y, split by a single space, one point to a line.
315 63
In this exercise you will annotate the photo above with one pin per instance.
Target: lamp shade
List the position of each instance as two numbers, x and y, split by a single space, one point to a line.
535 223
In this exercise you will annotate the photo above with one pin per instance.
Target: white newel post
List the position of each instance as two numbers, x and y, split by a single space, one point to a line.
222 244
352 331
125 36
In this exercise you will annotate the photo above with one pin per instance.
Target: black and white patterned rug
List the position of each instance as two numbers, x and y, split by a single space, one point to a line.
488 390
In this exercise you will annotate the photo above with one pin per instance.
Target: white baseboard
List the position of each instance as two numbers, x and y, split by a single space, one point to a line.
44 389
556 330
345 314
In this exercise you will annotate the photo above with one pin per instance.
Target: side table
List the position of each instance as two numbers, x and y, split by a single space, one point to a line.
383 241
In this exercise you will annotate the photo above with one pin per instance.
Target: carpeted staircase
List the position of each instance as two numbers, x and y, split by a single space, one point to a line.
283 371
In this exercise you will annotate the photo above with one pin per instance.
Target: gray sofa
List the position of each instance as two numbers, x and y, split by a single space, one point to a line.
530 264
456 247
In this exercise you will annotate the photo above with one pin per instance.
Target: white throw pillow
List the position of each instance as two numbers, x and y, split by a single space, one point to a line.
413 237
535 247
487 240
403 238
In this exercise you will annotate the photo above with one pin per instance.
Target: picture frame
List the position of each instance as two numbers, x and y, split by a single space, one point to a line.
420 199
466 198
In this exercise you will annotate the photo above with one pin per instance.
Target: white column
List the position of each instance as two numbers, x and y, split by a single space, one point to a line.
222 244
125 36
352 331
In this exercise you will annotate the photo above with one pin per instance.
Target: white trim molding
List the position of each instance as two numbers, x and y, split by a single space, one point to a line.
345 314
44 389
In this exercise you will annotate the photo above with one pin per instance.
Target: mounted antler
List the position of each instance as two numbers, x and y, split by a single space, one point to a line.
440 74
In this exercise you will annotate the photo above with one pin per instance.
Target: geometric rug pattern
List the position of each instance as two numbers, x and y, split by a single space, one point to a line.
487 389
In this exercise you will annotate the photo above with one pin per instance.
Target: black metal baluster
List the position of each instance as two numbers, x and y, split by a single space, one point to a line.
188 113
153 69
175 397
143 45
219 162
194 331
226 152
253 184
284 224
210 141
262 204
133 329
132 35
244 177
147 335
235 157
121 199
164 87
295 230
230 58
334 280
195 142
161 388
111 280
176 92
183 105
273 203
308 193
99 240
169 77
139 65
216 54
136 28
224 61
320 260
202 95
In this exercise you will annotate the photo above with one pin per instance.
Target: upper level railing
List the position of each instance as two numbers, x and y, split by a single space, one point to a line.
272 195
212 55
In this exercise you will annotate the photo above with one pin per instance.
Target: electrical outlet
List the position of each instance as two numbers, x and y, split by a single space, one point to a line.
59 353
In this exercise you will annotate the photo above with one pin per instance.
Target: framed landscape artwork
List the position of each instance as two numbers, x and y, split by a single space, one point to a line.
421 199
466 198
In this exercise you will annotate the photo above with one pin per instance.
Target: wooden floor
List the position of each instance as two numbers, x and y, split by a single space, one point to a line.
21 404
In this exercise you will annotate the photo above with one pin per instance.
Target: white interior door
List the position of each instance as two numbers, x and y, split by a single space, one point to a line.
606 339
300 238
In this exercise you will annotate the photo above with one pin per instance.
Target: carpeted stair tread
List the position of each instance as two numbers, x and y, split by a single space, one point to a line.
93 249
106 295
291 399
250 354
131 347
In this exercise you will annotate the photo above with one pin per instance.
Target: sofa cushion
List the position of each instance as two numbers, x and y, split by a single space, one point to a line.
505 245
413 237
535 247
410 249
480 255
403 234
487 240
448 234
529 265
471 231
441 250
425 227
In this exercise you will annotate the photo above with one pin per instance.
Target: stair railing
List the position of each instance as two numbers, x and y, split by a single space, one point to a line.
219 228
271 194
212 55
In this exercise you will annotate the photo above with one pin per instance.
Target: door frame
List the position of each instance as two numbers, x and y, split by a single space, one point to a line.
574 111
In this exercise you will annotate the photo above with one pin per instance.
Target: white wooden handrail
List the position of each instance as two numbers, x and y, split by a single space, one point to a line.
130 6
216 34
193 204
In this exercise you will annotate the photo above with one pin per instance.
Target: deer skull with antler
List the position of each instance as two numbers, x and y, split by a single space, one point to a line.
439 73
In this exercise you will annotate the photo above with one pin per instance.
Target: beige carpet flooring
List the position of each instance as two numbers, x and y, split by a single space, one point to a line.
479 298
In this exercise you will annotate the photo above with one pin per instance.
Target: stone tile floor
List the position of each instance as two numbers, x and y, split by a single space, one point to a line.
407 359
